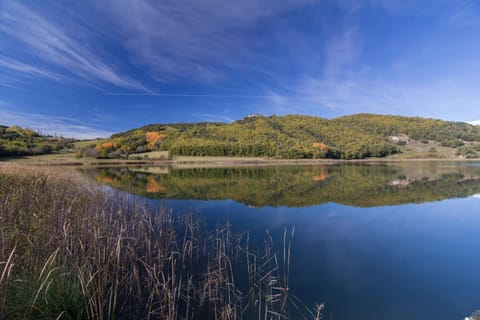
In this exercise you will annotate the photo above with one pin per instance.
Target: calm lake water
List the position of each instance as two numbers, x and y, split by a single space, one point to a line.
372 241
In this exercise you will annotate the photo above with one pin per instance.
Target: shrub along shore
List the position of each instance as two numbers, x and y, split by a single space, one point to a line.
70 249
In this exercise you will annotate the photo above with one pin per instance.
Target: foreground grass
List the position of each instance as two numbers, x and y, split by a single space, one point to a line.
71 250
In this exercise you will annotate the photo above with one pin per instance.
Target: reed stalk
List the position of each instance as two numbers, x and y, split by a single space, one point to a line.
70 249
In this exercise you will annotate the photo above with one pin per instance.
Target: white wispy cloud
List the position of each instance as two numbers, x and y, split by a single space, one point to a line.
341 51
435 99
201 41
211 40
190 95
475 122
213 117
347 86
27 69
467 14
53 125
462 13
57 47
193 40
409 7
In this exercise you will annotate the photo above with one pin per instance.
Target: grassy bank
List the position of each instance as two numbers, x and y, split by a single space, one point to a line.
210 162
71 250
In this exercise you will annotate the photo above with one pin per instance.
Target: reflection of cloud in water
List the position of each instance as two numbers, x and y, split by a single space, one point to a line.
476 196
474 316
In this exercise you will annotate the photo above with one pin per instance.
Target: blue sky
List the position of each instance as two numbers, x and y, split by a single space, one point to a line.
90 68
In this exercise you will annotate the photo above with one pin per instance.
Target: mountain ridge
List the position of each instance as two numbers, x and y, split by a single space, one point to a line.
355 136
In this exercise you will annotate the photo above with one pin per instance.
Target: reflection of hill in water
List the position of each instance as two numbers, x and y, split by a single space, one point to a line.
354 185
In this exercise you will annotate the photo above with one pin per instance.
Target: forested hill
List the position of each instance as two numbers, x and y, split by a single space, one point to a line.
17 141
294 136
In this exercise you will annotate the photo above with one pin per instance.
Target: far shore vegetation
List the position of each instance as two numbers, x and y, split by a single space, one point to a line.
296 137
70 249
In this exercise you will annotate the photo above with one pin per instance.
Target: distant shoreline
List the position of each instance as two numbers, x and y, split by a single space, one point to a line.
214 161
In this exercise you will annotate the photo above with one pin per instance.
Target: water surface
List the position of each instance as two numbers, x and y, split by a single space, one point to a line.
372 241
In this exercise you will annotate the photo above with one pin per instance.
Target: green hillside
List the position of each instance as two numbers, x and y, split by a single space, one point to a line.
295 137
17 141
414 127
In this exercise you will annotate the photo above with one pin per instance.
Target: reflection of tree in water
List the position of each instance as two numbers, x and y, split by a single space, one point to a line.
153 186
322 176
105 179
354 185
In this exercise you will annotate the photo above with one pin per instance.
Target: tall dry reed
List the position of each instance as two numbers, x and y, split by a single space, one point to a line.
70 249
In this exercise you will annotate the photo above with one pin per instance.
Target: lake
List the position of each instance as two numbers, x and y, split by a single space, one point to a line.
372 241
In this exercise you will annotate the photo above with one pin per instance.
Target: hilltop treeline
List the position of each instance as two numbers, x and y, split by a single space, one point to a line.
17 141
293 137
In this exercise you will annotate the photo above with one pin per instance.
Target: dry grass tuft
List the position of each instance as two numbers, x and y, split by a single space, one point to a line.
72 250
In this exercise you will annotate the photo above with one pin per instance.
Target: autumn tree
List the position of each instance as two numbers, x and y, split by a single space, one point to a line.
153 139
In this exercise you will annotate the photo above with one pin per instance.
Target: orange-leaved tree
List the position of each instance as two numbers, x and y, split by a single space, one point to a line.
321 148
105 148
108 146
154 138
